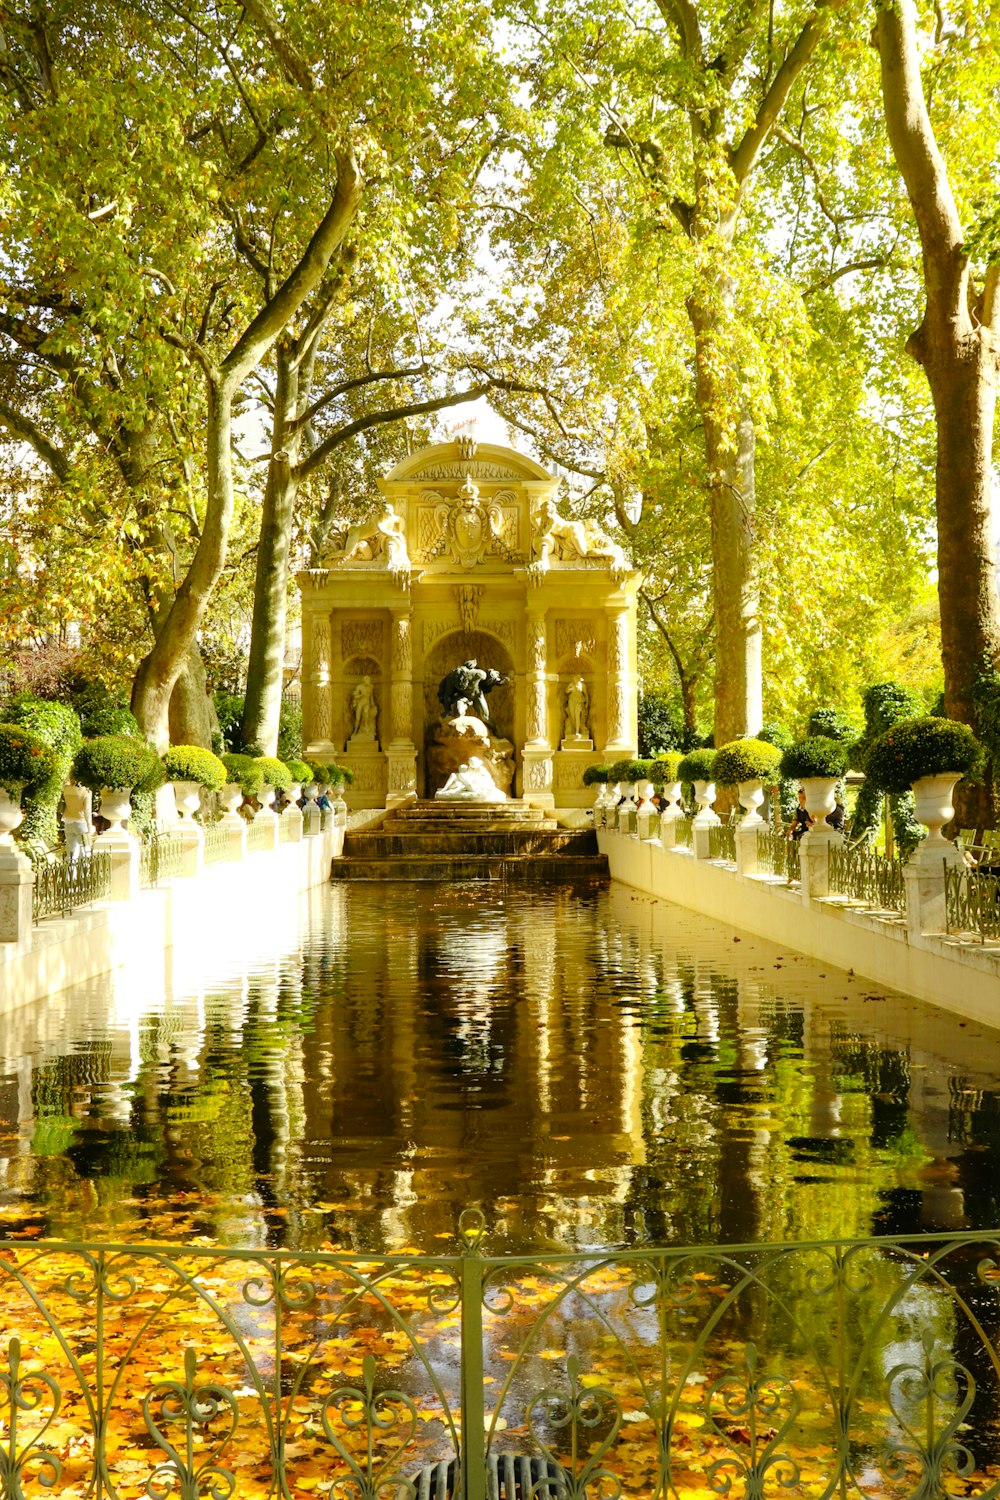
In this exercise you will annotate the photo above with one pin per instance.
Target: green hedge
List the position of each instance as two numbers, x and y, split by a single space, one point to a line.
118 762
301 772
26 762
57 726
746 760
274 772
665 767
815 756
921 747
630 771
192 763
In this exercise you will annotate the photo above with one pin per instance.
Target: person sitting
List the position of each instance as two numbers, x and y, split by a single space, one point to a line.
802 820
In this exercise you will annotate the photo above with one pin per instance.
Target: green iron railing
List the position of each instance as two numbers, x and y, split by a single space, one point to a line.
159 857
865 1368
62 885
860 873
722 842
778 855
682 833
972 902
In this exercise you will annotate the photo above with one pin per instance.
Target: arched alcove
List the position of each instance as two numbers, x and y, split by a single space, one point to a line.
459 646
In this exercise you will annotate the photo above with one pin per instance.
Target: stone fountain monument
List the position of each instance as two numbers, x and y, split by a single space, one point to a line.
468 565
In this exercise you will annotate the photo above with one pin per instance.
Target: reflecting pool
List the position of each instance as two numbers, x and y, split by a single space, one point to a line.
591 1067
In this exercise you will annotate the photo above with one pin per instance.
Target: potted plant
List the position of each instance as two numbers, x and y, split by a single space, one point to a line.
275 777
598 776
245 780
930 755
698 768
818 763
301 774
749 765
663 773
115 766
25 762
191 769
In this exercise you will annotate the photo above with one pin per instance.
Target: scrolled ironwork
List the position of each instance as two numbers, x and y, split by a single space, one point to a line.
859 873
587 1420
722 842
23 1392
757 1402
193 1409
972 902
374 1414
63 885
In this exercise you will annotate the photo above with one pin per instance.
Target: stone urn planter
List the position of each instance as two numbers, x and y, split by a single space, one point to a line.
187 798
704 796
751 795
672 793
231 797
821 799
11 814
311 791
645 790
293 793
116 807
266 799
933 806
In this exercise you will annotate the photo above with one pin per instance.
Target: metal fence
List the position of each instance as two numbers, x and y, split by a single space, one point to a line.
722 842
260 833
847 1368
219 844
682 833
860 873
159 859
778 855
972 903
62 885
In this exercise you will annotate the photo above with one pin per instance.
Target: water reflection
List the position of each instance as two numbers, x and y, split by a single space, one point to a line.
592 1068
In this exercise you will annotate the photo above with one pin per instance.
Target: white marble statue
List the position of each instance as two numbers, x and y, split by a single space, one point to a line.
470 783
577 710
555 538
365 710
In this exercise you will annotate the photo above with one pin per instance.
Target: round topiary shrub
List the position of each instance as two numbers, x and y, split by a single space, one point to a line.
339 775
300 771
630 771
921 747
697 765
830 724
109 718
746 760
26 762
244 772
274 772
597 776
192 763
815 756
666 767
118 762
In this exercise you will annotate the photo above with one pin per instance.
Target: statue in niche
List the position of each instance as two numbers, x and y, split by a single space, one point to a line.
379 536
553 537
577 710
470 783
465 688
365 710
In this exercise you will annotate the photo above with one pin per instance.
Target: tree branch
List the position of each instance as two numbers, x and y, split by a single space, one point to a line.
23 427
291 59
374 419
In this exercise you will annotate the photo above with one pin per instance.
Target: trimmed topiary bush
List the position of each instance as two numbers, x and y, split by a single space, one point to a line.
110 718
697 765
666 767
192 763
631 770
815 756
746 760
244 771
26 762
921 747
830 724
339 775
57 726
274 772
118 762
301 772
597 776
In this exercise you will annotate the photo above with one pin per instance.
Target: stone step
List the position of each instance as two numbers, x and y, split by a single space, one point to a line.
529 869
388 842
451 812
425 828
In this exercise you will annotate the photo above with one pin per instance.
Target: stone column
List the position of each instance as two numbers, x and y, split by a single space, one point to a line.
192 841
926 899
746 847
401 753
619 737
814 861
317 738
537 763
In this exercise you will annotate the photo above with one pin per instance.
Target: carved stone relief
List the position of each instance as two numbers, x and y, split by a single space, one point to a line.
402 643
435 629
538 774
618 644
504 630
576 638
468 597
367 773
362 638
478 469
362 666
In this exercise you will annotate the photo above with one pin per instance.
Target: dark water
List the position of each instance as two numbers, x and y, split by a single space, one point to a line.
589 1068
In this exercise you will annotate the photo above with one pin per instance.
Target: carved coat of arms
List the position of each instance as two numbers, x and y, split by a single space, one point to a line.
468 526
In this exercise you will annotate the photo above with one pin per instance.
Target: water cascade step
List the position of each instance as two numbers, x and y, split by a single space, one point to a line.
439 841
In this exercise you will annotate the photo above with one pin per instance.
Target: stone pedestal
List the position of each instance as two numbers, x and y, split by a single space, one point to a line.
192 841
236 829
292 817
124 850
926 908
576 742
269 820
746 847
537 779
814 861
452 743
17 880
312 820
